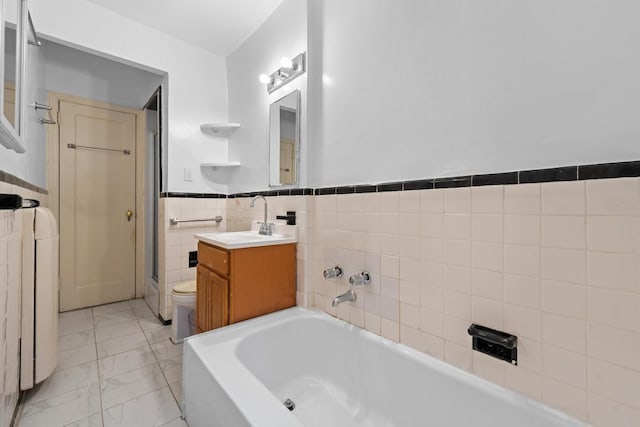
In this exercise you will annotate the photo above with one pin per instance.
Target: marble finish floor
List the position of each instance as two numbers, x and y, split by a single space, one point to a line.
116 367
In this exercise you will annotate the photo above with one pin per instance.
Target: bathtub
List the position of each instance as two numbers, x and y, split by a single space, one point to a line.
336 374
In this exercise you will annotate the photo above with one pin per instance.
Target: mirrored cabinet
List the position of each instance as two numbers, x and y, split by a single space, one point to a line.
284 140
13 38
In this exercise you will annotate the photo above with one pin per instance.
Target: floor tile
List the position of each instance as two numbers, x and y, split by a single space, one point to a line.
125 362
178 422
76 339
166 348
120 344
114 318
148 323
151 409
142 310
176 389
158 335
144 313
63 381
127 386
116 358
118 330
138 303
82 314
169 356
115 307
62 409
76 356
92 421
75 321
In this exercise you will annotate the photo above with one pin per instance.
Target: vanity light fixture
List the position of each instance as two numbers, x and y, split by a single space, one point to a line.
265 79
286 62
289 70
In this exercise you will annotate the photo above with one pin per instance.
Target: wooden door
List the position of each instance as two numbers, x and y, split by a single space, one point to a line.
263 280
202 297
218 301
287 161
97 203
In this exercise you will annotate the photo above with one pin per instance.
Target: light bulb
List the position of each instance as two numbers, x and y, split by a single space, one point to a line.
265 79
286 62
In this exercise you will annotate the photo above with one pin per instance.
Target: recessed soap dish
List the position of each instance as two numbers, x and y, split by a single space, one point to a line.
498 344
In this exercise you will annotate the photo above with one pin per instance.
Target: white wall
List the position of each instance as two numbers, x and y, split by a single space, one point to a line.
418 89
74 72
284 33
196 89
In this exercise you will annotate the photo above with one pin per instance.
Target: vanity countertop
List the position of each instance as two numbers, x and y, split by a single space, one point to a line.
282 235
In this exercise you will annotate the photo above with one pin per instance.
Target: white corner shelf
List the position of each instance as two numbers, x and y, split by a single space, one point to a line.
221 165
221 130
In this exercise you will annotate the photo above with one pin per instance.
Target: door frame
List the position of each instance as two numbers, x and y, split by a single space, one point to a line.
53 171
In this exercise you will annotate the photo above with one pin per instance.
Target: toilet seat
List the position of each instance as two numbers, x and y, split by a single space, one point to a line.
185 288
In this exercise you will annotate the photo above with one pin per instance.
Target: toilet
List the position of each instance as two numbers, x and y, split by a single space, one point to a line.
184 311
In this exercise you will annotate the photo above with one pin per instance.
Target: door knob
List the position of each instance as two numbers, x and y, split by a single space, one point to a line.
129 214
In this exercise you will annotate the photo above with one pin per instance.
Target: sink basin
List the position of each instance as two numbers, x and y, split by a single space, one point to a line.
248 239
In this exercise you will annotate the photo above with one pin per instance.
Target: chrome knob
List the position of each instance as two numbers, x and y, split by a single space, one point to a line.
332 272
358 279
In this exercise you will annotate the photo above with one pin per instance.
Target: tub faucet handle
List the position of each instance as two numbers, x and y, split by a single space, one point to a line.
362 278
333 272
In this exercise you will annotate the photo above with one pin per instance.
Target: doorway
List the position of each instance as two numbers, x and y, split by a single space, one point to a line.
99 212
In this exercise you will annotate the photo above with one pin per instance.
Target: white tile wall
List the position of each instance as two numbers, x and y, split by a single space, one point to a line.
10 289
557 264
554 263
176 241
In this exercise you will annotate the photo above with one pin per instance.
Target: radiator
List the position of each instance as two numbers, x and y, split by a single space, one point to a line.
40 260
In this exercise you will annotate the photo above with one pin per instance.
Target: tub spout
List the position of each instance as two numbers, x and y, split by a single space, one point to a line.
347 296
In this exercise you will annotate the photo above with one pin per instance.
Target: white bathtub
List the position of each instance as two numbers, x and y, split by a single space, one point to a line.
337 375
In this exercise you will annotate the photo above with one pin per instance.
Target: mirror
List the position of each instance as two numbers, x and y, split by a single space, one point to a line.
12 15
9 105
284 140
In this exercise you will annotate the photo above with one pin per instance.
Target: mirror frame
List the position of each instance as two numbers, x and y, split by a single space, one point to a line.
10 136
274 159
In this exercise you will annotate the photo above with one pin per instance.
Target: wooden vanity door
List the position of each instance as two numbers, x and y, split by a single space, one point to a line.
218 301
202 296
212 308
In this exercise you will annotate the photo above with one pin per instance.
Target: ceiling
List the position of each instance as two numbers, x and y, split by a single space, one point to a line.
219 26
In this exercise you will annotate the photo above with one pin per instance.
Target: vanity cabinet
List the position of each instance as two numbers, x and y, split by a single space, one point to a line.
239 284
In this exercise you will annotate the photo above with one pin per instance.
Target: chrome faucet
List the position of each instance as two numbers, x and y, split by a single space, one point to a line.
362 278
347 296
265 227
333 272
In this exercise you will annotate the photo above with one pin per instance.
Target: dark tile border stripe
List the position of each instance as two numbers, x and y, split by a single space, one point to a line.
346 190
14 180
422 184
194 195
366 188
495 179
390 186
455 182
609 170
568 173
564 173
